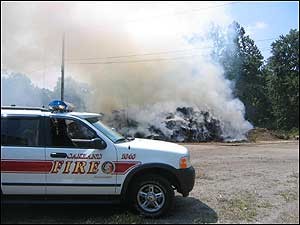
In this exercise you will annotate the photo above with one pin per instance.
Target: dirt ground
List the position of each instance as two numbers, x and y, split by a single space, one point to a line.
235 183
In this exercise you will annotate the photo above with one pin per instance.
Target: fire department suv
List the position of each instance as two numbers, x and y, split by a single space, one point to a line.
57 155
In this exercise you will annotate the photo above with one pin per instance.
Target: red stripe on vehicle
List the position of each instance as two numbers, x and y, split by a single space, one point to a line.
10 166
123 167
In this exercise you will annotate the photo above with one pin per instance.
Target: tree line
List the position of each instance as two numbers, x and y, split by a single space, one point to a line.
268 88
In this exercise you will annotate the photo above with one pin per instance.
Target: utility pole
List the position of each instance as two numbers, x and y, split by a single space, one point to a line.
62 88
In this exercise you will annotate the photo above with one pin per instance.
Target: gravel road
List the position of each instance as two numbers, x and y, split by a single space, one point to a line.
235 183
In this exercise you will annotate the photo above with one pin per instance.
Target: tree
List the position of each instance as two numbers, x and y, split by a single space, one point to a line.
225 49
19 90
28 94
243 63
250 85
283 80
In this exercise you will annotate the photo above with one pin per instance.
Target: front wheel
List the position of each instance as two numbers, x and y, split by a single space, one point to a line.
152 196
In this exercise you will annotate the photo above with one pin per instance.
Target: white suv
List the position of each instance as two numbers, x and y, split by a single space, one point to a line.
61 156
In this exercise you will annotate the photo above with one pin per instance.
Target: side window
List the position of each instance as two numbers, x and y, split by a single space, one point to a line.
70 133
3 131
23 132
77 130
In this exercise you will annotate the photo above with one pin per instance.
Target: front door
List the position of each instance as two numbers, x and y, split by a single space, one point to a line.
79 168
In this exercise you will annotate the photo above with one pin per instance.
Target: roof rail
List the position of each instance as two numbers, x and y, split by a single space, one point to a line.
25 108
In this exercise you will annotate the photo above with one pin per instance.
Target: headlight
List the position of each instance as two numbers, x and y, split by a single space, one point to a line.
184 162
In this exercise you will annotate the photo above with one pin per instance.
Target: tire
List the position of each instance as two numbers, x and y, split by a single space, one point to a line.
152 196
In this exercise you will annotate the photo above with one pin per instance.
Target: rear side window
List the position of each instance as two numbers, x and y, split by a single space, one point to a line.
24 132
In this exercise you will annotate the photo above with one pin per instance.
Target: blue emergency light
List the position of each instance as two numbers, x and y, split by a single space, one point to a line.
58 106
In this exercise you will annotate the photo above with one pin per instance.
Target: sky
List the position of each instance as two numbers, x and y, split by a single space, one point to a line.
264 20
31 32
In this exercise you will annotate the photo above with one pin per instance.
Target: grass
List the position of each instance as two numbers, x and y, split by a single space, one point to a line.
124 218
293 178
294 132
289 218
201 175
291 134
289 195
206 218
242 207
264 134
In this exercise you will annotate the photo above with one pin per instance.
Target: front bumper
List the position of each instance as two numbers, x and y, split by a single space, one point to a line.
186 180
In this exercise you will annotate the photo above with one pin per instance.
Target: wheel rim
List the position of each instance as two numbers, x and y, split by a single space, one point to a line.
150 198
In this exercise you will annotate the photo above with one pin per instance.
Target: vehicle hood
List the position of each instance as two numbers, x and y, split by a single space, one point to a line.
153 145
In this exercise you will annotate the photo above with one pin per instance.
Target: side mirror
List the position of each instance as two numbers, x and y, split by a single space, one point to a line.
99 144
130 138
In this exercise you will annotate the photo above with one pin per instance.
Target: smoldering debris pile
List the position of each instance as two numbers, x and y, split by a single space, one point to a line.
185 124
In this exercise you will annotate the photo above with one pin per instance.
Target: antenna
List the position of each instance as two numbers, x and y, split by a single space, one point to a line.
62 69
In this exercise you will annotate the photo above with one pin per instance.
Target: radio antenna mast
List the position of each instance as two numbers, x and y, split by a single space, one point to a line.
62 89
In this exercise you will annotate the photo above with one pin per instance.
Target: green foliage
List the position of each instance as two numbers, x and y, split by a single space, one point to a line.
250 85
283 81
269 89
243 64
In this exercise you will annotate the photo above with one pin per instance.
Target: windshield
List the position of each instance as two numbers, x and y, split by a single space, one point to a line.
108 132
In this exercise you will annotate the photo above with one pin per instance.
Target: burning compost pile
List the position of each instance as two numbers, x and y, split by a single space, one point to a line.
183 125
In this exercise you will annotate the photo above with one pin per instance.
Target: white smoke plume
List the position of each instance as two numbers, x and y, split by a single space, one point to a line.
147 85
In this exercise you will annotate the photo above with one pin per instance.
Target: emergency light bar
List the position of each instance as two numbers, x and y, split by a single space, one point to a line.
60 106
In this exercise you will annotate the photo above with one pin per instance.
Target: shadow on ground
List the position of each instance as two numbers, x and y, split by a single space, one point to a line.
186 210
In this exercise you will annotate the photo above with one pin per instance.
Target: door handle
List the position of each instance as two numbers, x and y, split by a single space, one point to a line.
58 155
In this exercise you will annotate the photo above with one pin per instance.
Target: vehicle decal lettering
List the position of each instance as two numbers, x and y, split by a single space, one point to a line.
128 156
84 156
57 166
67 167
79 167
94 167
